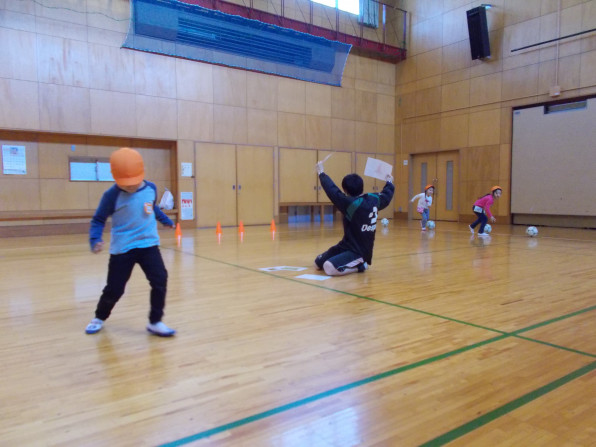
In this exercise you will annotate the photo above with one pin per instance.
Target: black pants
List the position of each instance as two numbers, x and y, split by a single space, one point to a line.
119 271
340 258
482 220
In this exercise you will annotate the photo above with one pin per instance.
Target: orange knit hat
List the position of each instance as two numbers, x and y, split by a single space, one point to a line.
494 188
127 167
427 187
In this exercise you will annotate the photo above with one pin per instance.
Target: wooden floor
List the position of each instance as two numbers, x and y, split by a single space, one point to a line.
446 339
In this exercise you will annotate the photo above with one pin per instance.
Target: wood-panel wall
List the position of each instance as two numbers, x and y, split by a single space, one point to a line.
446 101
46 192
64 72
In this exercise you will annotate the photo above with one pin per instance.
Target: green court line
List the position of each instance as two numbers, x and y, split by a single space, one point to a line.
462 429
331 392
508 407
553 345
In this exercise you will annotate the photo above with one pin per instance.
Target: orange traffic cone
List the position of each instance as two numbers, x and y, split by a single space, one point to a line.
272 224
218 232
178 233
241 231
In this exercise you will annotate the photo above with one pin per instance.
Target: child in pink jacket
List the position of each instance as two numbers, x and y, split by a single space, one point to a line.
482 210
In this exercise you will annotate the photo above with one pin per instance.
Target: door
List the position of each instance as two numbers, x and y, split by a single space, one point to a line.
441 170
297 176
216 184
254 172
233 183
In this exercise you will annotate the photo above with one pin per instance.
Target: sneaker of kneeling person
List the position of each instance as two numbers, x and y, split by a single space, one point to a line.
160 329
362 267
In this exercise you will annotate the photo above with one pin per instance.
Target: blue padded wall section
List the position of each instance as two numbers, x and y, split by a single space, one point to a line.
178 29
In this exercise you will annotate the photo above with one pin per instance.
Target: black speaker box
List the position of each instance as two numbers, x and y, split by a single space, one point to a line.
478 31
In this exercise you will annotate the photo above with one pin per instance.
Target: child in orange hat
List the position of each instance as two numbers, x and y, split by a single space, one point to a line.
482 209
425 200
131 203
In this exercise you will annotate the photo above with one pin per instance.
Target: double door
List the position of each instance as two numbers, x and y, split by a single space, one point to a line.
441 170
234 183
298 178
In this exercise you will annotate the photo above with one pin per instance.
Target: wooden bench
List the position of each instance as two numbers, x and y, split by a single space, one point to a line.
56 214
29 228
316 208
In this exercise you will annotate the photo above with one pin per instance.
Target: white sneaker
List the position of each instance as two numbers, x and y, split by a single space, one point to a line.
160 329
471 229
483 234
94 327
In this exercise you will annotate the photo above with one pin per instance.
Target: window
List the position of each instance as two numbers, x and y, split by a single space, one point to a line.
351 6
90 169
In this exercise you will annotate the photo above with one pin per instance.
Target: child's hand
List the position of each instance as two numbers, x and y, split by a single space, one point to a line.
389 178
493 219
97 247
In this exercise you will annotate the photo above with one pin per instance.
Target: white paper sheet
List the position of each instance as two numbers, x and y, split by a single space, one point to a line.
377 169
282 267
14 160
314 277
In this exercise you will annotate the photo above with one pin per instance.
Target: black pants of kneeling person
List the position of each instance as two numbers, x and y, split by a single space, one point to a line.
119 271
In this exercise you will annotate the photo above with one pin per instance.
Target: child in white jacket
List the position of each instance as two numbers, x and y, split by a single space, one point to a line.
425 200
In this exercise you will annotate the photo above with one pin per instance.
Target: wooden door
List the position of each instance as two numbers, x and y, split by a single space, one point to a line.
441 170
445 201
337 166
424 173
216 184
297 175
254 166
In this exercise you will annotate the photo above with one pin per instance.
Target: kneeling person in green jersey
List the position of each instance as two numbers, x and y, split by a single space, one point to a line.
360 211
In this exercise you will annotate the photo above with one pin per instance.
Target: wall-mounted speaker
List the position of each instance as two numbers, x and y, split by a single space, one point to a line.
478 31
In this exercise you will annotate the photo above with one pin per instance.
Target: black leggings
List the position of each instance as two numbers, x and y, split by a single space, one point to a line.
482 220
119 271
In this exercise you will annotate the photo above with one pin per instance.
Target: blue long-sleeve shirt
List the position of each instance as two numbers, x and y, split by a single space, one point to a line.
134 218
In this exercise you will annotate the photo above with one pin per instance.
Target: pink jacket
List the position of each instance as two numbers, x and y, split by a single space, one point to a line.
485 202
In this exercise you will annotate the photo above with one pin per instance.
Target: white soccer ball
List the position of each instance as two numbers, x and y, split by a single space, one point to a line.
531 231
430 224
488 228
384 221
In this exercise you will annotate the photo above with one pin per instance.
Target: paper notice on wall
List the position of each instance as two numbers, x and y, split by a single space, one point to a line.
186 169
377 168
14 160
186 206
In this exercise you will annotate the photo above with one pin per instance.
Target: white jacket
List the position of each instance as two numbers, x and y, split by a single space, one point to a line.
424 201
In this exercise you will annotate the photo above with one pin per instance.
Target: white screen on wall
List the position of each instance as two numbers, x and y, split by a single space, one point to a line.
553 164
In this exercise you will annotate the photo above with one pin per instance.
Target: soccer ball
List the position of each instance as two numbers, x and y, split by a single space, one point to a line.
531 231
384 221
488 228
430 224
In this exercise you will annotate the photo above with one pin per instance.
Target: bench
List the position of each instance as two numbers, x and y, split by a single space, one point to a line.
316 208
